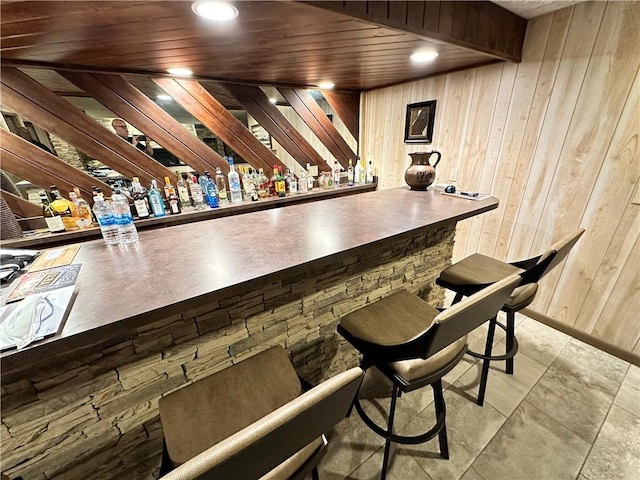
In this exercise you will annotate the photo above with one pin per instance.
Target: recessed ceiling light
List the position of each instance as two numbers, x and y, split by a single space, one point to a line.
273 100
164 97
326 85
183 72
423 56
212 10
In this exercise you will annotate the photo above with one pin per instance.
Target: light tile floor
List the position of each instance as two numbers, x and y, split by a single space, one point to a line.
570 411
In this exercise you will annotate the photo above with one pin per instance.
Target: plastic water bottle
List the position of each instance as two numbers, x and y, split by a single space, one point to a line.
126 229
106 220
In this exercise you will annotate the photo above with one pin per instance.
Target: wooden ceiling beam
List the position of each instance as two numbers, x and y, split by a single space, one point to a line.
201 104
482 26
123 99
20 207
34 102
257 104
43 169
315 118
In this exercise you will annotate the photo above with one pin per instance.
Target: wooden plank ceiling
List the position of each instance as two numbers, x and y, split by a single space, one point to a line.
358 45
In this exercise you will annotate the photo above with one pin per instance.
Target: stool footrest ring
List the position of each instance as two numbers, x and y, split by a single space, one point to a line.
406 440
510 354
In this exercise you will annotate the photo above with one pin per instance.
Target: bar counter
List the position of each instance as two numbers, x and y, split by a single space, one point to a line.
191 299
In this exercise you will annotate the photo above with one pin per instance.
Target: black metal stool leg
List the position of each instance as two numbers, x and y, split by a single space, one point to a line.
438 398
486 362
457 298
511 327
314 474
387 443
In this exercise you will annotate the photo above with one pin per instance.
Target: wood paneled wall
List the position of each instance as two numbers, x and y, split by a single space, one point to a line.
557 139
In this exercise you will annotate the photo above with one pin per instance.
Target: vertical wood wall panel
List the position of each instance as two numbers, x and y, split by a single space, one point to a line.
560 150
606 87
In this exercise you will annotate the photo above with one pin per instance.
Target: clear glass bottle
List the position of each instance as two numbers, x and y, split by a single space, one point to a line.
106 219
196 193
51 217
336 174
81 211
173 200
369 178
234 183
64 208
293 183
221 186
263 184
127 231
183 190
303 184
140 199
357 173
249 184
350 173
155 200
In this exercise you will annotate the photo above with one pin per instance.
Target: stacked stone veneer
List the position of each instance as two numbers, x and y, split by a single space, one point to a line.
94 414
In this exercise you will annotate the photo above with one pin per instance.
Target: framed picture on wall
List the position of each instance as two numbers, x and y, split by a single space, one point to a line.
262 135
418 126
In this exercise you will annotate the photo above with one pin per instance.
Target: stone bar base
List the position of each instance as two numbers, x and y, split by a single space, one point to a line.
93 413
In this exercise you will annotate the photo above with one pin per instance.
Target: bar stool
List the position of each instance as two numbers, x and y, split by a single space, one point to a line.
415 345
477 271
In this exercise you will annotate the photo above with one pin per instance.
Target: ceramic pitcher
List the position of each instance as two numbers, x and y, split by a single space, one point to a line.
421 173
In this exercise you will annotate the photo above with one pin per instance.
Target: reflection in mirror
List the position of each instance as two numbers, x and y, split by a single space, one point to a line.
299 124
419 122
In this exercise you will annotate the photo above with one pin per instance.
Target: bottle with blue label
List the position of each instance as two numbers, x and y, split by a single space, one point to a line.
210 192
155 200
106 220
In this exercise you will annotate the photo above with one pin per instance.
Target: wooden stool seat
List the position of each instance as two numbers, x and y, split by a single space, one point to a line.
477 271
415 345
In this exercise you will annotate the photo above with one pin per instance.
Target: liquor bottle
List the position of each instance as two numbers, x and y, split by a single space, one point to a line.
183 190
293 183
127 231
363 172
64 208
221 186
234 183
196 193
167 187
310 178
140 199
210 193
303 184
350 174
106 220
172 198
281 188
369 173
336 174
155 200
249 184
263 184
81 210
51 217
357 172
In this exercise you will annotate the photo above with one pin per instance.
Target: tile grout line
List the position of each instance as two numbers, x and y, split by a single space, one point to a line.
602 425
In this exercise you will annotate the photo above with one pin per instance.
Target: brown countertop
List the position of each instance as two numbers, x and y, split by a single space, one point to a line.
46 240
124 287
